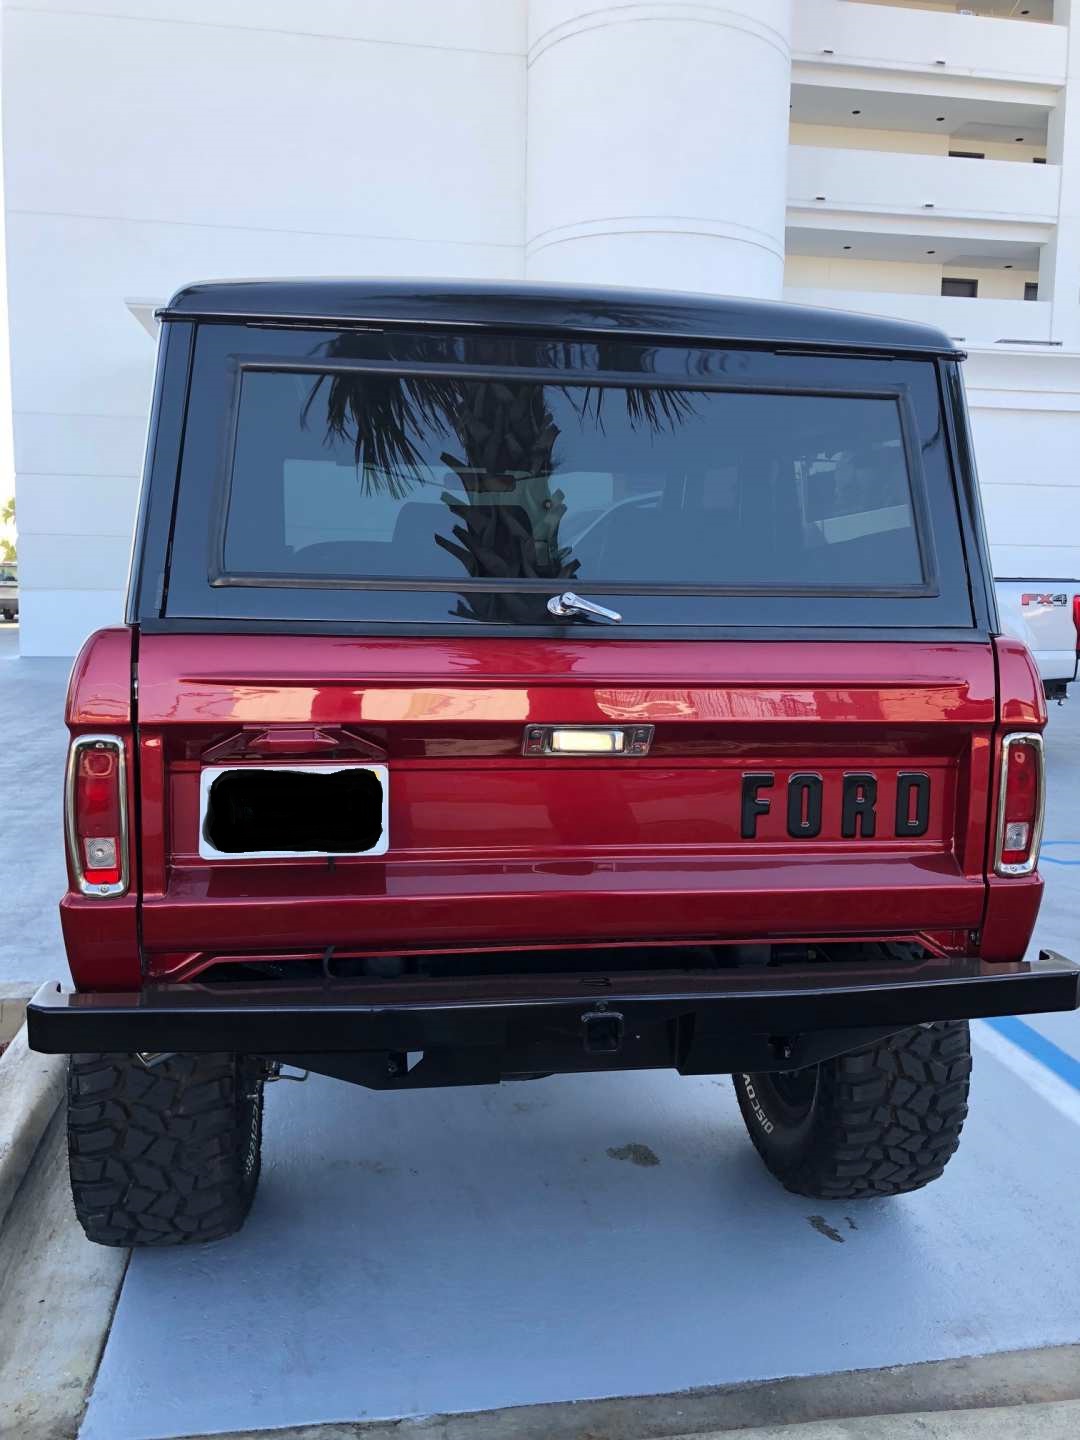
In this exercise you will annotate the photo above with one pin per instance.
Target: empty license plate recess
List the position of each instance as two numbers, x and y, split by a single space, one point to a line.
273 812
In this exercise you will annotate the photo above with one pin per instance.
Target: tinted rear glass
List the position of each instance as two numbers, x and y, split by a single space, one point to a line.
355 477
400 482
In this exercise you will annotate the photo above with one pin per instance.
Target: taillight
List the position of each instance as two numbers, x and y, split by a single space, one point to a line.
1076 620
1020 805
96 814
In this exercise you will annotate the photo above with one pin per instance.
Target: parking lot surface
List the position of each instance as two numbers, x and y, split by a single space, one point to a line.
421 1252
567 1238
31 772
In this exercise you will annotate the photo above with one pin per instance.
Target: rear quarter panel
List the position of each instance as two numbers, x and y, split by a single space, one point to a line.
101 936
1012 902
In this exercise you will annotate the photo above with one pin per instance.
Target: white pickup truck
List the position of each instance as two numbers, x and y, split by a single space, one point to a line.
1045 614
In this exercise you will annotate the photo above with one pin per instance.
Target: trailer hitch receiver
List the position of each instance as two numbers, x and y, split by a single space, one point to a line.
603 1031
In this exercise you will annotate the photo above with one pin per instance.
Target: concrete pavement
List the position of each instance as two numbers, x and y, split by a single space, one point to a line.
421 1252
31 778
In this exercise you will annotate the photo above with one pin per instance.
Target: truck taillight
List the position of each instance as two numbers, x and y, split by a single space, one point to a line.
1076 620
1020 804
96 814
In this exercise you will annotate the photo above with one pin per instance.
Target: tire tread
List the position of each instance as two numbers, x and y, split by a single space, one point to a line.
888 1117
163 1156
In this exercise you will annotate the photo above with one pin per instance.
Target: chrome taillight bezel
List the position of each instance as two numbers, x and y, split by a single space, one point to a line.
93 888
1023 867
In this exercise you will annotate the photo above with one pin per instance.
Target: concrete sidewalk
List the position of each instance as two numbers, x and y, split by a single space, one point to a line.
1060 1421
56 1301
1034 1422
610 1420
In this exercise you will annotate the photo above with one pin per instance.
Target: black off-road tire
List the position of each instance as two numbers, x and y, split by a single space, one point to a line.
167 1154
882 1120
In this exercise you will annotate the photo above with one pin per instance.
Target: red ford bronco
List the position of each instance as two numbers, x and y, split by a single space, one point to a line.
523 681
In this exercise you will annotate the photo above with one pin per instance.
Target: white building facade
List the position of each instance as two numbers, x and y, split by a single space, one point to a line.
908 157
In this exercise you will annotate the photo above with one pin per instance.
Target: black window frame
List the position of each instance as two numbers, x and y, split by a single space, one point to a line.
221 577
166 596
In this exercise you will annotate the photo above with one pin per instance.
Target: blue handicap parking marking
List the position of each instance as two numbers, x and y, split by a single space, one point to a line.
1035 1044
1045 859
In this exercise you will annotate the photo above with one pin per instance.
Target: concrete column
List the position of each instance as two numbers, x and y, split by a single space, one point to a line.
657 143
1059 268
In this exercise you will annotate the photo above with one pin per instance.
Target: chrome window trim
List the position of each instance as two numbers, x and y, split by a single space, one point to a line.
1025 867
89 887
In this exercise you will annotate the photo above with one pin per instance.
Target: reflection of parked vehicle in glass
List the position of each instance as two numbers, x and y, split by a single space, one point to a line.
520 682
853 492
578 534
9 589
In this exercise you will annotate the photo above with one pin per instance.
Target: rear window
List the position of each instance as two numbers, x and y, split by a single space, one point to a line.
358 479
396 482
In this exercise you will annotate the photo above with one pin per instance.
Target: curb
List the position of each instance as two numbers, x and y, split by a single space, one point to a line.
57 1298
31 1086
1056 1420
980 1397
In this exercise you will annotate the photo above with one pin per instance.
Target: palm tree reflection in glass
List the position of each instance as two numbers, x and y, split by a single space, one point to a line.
508 519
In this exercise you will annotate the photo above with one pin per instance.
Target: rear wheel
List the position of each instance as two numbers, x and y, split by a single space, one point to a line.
166 1154
882 1120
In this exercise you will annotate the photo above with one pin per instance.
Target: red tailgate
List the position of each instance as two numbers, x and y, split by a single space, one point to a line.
489 846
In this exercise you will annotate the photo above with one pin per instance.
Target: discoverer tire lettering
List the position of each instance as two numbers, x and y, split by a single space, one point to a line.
882 1120
755 1104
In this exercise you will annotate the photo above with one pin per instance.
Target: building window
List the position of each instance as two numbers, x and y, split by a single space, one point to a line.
967 289
1031 289
967 155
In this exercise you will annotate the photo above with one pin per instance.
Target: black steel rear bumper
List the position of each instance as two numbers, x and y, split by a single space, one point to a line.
486 1029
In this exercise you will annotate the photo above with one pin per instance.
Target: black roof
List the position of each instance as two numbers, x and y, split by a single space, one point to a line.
592 310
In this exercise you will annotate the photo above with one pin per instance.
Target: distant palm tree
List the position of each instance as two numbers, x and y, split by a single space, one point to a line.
7 517
506 436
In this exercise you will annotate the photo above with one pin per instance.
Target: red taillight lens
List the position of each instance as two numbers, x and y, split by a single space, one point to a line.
96 820
1076 620
1021 804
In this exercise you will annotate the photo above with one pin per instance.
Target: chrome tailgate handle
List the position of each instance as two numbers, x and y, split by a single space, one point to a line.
567 605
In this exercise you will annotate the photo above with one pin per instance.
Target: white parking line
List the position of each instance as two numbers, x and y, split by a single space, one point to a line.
1056 1092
